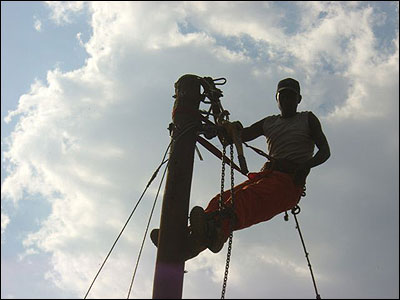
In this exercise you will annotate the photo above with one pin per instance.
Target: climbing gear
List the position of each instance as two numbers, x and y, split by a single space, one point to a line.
214 150
229 253
295 211
233 132
221 117
259 151
207 127
221 207
230 130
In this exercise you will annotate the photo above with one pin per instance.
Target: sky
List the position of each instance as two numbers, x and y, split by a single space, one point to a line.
86 99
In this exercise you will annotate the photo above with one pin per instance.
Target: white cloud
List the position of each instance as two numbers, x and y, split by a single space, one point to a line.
88 140
78 37
37 24
61 11
4 222
29 251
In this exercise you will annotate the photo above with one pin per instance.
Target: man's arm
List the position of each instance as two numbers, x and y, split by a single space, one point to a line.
253 131
320 157
320 141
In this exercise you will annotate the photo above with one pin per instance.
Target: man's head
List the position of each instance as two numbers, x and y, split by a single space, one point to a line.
288 96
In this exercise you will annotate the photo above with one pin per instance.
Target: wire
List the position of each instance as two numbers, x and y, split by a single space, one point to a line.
189 127
145 233
127 221
186 129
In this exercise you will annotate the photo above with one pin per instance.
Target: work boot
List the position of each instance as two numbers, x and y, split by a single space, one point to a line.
205 230
216 237
198 225
191 248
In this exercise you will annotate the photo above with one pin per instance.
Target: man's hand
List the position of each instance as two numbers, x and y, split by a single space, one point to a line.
230 131
300 174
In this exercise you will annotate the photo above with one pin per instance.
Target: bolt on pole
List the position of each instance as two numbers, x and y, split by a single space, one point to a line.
170 264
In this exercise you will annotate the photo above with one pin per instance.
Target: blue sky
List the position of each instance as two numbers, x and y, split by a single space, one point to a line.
85 102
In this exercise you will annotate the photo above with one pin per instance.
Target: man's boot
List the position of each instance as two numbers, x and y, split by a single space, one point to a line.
206 230
192 248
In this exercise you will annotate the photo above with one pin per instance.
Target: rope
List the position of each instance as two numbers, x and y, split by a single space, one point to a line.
127 221
147 228
258 151
296 211
183 131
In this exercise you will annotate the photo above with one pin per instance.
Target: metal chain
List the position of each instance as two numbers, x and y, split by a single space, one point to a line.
232 176
220 203
228 256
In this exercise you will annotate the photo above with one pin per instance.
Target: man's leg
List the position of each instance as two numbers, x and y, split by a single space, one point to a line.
265 198
220 223
255 201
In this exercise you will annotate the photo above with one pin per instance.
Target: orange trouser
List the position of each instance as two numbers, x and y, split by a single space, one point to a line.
258 199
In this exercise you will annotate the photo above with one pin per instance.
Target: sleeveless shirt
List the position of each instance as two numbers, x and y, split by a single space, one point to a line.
289 138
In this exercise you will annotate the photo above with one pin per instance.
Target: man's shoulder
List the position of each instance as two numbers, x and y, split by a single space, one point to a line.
311 117
271 117
306 112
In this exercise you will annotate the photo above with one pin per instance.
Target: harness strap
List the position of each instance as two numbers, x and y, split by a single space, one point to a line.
214 150
259 151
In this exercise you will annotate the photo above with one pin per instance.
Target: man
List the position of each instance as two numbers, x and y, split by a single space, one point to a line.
291 137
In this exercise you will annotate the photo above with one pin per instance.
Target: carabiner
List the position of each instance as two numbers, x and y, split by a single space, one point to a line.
219 79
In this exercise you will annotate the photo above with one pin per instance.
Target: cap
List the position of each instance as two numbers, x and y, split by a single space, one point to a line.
288 83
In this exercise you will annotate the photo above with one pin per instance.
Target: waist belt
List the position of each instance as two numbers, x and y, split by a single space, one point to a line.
283 166
287 167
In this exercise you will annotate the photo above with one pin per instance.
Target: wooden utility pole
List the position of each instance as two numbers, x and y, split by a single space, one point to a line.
169 271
